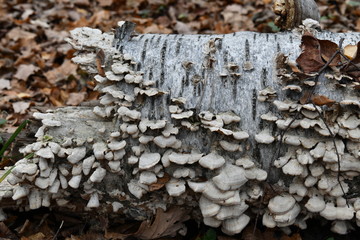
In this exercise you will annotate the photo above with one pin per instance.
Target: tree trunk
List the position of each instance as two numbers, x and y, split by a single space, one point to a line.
182 122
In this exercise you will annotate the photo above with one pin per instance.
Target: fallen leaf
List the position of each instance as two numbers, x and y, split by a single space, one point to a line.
310 59
63 72
4 84
321 100
6 232
183 28
353 69
304 99
105 3
36 236
165 224
251 232
17 33
25 70
327 50
100 59
295 236
20 107
160 183
75 98
350 51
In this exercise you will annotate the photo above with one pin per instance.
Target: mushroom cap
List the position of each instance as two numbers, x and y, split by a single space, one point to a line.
340 227
315 204
289 217
234 200
170 141
264 137
115 145
74 182
20 191
197 186
245 162
98 175
337 213
212 161
175 187
215 194
178 158
235 225
212 222
229 117
182 115
45 153
281 204
208 208
25 168
87 164
93 201
268 220
240 135
183 172
231 177
147 177
135 189
293 167
148 160
228 146
269 116
227 212
77 154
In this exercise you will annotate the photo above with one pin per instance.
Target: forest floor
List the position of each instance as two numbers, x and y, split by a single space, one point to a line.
36 71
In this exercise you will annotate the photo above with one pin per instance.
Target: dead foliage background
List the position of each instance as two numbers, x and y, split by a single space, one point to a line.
36 71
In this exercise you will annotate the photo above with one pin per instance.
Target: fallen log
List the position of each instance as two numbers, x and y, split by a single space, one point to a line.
194 120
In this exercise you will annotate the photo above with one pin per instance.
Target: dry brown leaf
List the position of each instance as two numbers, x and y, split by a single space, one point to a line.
327 50
105 3
183 28
25 70
160 183
249 234
304 99
36 236
295 236
310 59
4 84
226 238
357 55
20 107
350 51
17 33
75 98
100 59
5 231
321 100
63 72
165 224
154 28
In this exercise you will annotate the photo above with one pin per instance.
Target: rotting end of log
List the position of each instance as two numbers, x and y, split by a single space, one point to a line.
291 13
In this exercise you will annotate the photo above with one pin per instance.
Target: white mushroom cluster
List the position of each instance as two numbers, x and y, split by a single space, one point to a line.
315 151
151 159
223 198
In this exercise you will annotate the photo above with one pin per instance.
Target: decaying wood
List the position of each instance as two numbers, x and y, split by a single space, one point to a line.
291 13
205 110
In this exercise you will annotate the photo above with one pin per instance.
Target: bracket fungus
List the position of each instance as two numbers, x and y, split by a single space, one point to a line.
153 144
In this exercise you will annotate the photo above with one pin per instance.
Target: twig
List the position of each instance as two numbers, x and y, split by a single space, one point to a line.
57 232
336 151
